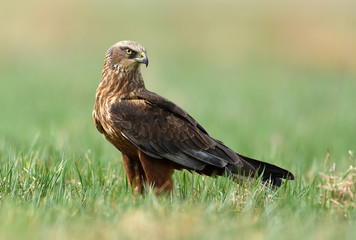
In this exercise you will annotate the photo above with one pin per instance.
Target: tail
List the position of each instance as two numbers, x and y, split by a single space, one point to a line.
268 171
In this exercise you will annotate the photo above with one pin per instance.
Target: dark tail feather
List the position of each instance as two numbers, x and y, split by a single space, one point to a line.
269 171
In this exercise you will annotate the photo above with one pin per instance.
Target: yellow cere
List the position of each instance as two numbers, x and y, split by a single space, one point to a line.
143 54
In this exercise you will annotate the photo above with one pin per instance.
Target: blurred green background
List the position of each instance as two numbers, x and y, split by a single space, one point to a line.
273 80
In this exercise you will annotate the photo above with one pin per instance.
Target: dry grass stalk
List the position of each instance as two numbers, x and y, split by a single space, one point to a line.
338 190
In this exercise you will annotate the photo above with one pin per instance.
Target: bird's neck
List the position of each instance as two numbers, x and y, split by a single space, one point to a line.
120 83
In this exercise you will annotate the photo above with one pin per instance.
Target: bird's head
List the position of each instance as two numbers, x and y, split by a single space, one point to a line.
127 56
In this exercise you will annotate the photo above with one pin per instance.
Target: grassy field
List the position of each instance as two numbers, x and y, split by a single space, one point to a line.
273 81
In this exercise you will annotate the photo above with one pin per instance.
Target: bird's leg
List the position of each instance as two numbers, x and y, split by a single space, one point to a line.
135 173
158 172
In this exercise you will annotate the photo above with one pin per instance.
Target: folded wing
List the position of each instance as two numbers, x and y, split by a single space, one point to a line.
162 130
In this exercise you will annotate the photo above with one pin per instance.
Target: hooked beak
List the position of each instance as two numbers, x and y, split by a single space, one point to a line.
143 59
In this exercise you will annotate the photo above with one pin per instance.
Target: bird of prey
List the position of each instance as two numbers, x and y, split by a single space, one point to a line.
154 135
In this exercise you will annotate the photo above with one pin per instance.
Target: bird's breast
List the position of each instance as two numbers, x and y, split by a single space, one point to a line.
104 123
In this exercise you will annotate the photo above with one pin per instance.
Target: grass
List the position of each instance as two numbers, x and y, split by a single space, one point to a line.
281 89
47 193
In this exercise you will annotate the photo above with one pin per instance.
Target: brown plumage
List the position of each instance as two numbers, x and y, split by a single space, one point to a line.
154 135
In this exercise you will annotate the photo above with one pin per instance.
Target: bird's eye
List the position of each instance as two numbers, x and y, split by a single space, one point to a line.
128 51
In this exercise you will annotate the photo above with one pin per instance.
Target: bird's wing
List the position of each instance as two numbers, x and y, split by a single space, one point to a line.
161 129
